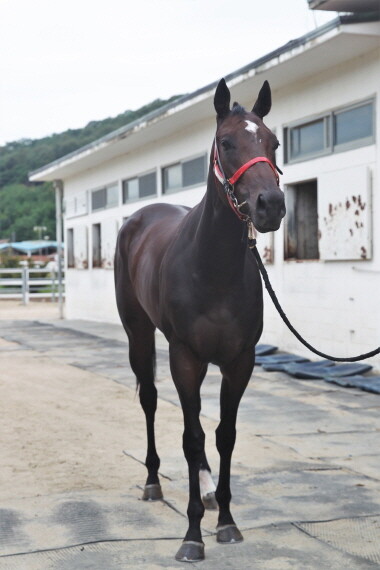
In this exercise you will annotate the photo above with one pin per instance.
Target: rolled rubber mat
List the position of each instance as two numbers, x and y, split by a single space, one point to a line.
279 359
264 349
296 369
366 383
338 371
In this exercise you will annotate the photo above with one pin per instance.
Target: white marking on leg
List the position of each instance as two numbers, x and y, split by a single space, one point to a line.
206 483
252 127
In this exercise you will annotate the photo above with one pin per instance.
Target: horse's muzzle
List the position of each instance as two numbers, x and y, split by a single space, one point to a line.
269 211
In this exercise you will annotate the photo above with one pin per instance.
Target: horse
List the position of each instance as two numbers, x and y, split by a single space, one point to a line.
190 273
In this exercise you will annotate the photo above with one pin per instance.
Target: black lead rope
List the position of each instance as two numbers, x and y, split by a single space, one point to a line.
252 246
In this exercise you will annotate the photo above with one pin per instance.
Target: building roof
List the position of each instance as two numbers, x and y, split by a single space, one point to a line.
355 6
315 51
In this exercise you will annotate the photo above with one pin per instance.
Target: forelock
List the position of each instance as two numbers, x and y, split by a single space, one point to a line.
238 109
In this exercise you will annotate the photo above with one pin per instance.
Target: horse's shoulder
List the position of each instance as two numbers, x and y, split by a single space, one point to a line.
155 217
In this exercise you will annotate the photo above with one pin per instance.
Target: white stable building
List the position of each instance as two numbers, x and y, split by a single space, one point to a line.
324 262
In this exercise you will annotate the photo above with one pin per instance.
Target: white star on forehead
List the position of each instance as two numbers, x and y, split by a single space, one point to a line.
251 127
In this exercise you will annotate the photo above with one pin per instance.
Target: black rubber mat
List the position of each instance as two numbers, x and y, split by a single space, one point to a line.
279 359
357 536
64 520
265 349
297 369
366 383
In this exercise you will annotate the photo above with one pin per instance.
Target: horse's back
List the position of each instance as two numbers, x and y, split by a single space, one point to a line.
142 242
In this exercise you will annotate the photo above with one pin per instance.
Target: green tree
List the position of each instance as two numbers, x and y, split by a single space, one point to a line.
24 205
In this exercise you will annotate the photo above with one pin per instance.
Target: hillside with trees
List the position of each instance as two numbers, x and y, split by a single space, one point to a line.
24 205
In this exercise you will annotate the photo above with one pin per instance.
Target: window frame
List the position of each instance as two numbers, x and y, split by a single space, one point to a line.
181 188
108 203
330 147
357 142
137 177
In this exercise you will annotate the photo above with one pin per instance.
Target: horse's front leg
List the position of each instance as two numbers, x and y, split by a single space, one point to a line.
187 375
235 379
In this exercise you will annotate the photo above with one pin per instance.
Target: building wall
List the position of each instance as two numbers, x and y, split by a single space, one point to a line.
333 303
90 292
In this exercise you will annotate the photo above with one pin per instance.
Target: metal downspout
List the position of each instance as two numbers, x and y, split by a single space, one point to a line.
58 186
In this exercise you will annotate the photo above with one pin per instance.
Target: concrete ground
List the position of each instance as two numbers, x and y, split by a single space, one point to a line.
305 472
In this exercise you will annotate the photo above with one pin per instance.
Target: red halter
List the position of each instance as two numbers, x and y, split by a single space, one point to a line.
235 177
228 183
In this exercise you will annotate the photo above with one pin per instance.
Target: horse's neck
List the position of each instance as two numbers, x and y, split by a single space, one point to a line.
220 239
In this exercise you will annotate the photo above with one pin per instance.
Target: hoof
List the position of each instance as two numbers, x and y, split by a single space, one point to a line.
228 534
191 551
152 492
209 502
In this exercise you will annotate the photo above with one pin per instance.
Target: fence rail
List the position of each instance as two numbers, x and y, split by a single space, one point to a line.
26 283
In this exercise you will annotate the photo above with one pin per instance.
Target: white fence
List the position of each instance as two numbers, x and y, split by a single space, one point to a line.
26 284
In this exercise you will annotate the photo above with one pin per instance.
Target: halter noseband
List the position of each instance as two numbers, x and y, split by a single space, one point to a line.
228 183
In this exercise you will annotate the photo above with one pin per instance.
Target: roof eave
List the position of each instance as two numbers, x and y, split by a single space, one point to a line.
52 170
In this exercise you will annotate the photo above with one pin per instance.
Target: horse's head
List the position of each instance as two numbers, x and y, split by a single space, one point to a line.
241 137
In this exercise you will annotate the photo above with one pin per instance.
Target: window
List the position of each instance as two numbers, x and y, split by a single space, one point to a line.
335 131
308 139
106 197
184 174
96 246
139 187
70 248
355 124
301 229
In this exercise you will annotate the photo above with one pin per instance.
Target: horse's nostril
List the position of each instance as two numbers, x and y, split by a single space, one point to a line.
261 202
270 207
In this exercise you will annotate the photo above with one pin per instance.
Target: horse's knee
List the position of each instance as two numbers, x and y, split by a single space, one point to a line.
193 444
225 439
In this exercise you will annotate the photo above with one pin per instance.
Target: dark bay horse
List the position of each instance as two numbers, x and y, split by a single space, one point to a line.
190 273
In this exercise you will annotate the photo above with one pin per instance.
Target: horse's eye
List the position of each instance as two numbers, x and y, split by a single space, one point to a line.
226 144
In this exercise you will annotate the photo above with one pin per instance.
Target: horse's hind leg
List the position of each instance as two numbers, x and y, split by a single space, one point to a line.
142 357
142 353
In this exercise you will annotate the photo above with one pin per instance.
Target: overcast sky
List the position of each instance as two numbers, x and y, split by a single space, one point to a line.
65 63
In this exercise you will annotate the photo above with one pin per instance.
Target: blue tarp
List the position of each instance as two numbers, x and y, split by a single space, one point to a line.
28 247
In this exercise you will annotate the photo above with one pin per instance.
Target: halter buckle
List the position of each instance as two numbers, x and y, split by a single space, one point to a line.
241 205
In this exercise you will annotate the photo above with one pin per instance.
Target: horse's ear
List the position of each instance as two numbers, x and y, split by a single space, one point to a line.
222 99
264 101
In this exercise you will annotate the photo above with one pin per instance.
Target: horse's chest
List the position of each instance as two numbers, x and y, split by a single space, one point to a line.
220 334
